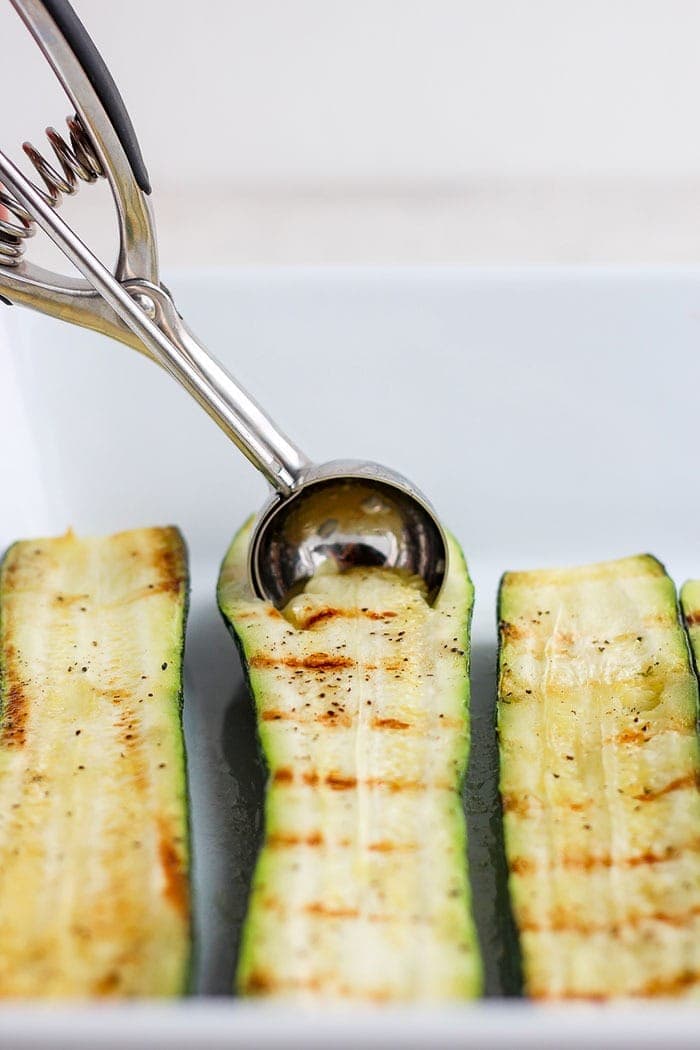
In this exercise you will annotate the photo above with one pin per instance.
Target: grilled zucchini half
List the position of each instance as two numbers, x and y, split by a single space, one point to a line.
597 707
93 815
361 690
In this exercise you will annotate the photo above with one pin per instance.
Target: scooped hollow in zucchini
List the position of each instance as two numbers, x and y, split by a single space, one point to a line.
597 708
94 894
362 691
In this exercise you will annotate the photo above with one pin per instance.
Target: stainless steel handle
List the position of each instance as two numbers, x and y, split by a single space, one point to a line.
151 315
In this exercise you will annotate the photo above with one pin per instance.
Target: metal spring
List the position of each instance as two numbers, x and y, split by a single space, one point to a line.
78 161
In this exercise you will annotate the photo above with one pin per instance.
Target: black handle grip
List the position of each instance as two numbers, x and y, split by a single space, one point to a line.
101 79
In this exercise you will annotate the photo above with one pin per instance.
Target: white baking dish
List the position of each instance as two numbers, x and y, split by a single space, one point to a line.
552 417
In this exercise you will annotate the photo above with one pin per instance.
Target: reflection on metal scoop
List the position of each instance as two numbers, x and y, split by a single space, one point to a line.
344 514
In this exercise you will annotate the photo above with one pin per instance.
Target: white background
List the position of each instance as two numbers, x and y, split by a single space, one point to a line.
399 130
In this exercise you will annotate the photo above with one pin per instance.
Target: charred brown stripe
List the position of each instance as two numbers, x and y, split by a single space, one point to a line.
65 601
659 987
668 986
330 717
523 806
389 723
340 782
511 631
330 613
330 912
341 717
692 780
14 703
312 662
692 618
168 557
638 737
566 923
15 707
260 982
282 840
176 886
589 861
393 847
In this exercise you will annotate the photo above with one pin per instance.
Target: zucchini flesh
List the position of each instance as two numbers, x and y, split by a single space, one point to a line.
93 815
361 691
597 708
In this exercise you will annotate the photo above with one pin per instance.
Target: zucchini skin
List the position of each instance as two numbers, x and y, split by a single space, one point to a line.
360 891
94 837
599 767
690 607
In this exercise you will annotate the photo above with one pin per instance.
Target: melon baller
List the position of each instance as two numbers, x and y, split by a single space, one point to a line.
351 512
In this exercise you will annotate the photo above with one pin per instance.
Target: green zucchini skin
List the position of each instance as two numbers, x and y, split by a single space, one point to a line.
361 691
599 766
690 606
94 856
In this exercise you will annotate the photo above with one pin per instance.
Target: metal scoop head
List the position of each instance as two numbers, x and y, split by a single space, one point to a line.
345 513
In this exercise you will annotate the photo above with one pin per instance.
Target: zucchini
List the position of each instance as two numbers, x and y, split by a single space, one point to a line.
690 604
94 896
597 707
361 690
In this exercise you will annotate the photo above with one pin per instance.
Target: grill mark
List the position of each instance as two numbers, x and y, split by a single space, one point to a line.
692 617
330 717
338 782
111 692
511 631
168 558
393 847
523 806
333 717
656 988
520 805
108 984
176 889
290 840
564 923
637 737
632 736
329 912
389 723
14 715
590 861
259 982
170 586
274 714
330 612
283 776
521 866
129 727
65 601
668 985
312 662
337 717
283 840
692 780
